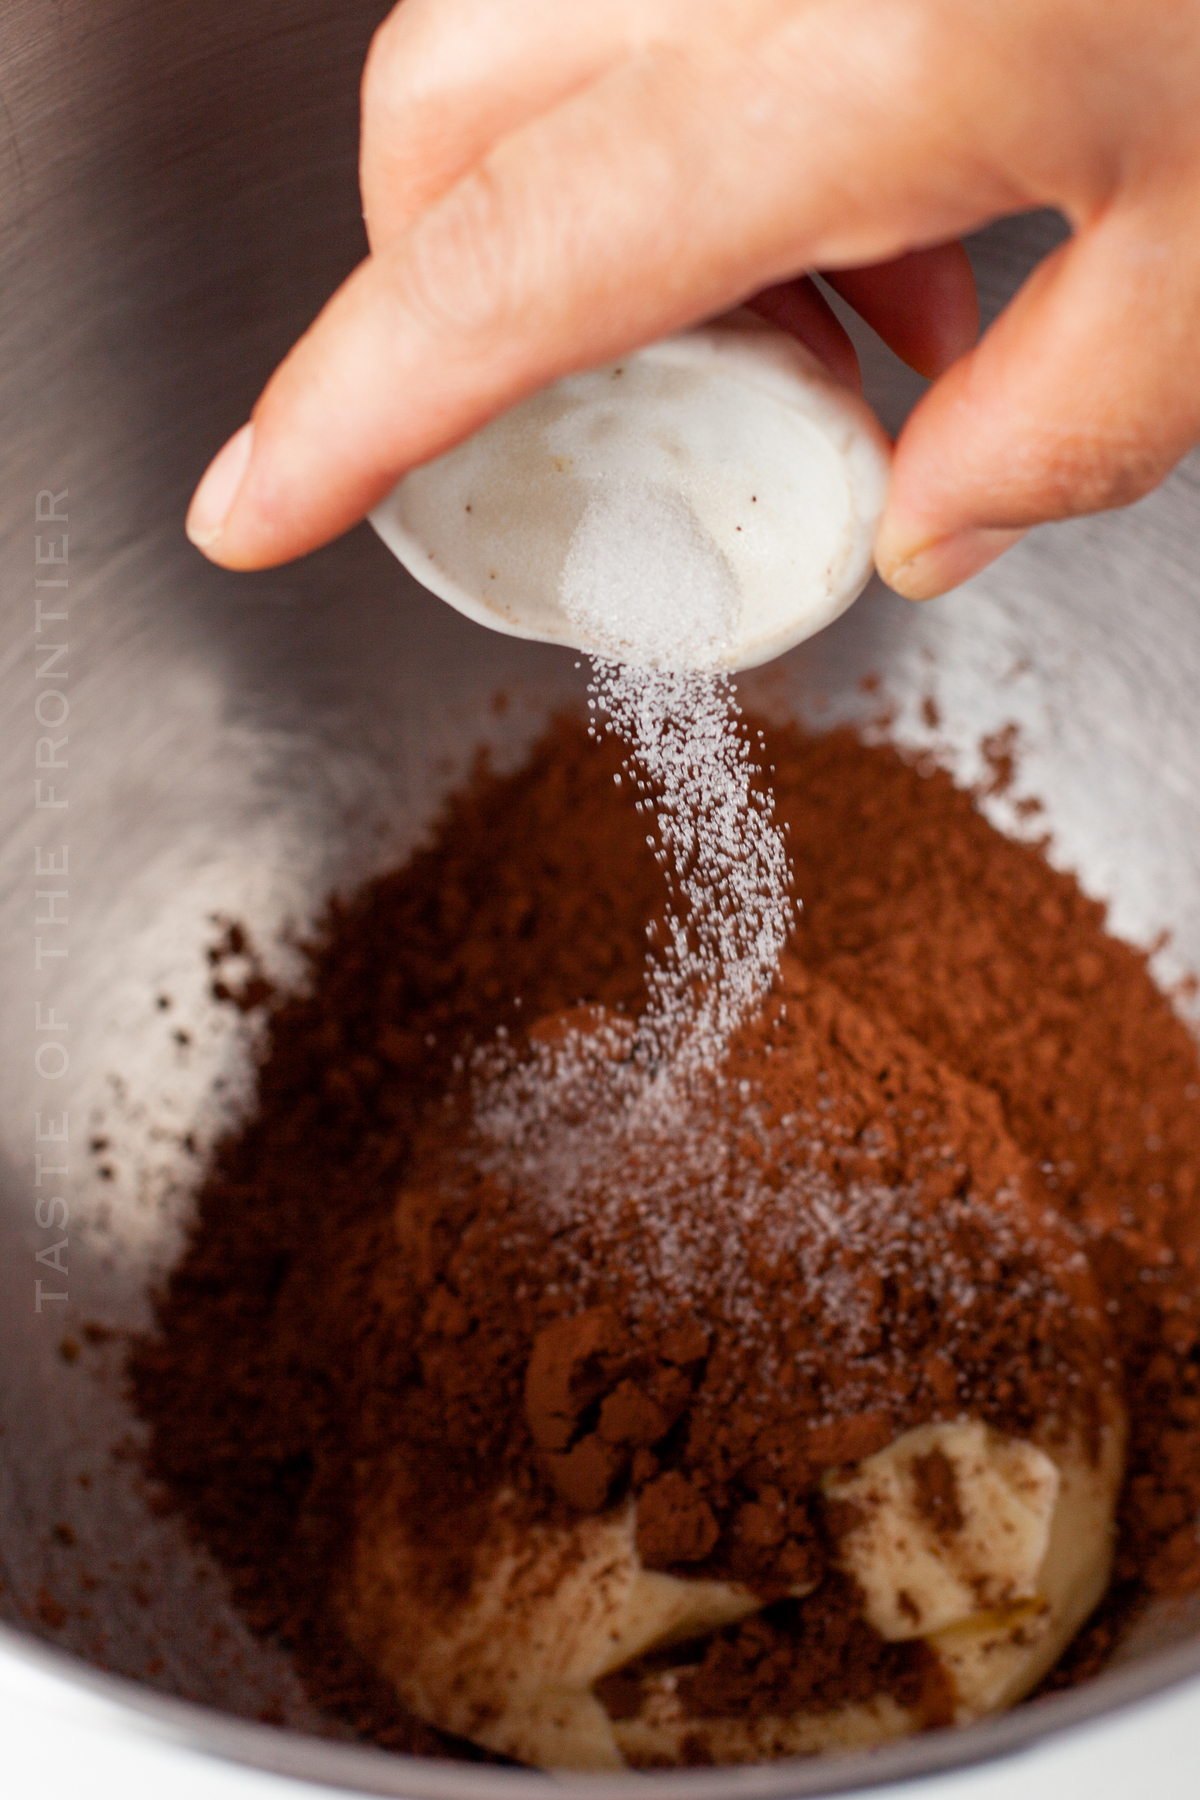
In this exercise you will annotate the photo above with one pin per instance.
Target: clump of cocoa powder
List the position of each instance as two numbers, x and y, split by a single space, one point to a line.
292 1330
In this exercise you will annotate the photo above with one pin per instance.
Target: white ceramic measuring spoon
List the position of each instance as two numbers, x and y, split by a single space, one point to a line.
705 502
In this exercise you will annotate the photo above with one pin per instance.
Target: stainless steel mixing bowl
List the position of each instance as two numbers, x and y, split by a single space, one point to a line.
177 186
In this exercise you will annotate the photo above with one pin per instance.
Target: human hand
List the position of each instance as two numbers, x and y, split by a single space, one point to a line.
549 183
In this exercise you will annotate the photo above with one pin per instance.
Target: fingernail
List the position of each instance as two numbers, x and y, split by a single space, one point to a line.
950 560
213 500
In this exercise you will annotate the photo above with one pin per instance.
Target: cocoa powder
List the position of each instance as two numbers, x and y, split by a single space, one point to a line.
312 1320
836 1242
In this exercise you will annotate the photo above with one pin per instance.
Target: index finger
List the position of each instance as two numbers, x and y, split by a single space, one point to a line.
445 80
631 210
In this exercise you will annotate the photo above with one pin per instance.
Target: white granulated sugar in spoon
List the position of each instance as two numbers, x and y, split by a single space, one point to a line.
646 581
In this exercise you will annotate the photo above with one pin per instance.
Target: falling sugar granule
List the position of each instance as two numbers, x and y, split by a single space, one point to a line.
654 590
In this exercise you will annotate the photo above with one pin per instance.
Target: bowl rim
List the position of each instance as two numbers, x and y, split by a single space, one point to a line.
362 1768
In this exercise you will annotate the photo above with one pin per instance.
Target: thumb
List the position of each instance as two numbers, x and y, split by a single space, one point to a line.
1082 396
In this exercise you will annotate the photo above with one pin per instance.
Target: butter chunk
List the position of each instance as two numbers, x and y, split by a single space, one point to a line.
954 1520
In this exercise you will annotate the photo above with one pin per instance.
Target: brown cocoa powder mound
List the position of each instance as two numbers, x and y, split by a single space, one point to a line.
866 1249
538 887
843 1229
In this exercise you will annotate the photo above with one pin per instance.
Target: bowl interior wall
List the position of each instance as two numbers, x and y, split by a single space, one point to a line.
179 199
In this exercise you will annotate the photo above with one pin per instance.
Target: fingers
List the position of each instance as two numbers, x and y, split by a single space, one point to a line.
657 194
1083 394
610 221
445 80
923 304
798 307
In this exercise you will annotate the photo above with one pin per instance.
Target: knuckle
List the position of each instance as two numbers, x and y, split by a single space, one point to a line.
1102 471
463 264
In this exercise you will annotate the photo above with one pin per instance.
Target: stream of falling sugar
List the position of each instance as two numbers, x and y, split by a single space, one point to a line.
650 589
723 852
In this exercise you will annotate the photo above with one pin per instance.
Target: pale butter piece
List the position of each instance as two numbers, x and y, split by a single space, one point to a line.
552 1610
996 1659
918 1577
511 1667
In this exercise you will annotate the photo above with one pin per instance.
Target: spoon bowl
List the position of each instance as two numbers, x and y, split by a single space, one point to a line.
705 502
